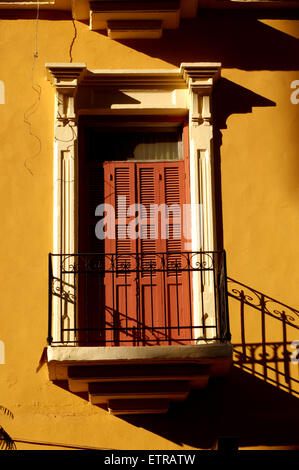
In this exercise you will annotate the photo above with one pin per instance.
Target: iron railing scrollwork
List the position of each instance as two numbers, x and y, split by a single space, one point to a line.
137 299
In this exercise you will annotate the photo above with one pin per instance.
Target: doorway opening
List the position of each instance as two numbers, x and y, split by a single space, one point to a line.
135 274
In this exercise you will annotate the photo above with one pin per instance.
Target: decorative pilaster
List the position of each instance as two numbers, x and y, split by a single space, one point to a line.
65 78
200 79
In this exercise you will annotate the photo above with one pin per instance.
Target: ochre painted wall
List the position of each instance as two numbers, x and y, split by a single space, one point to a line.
259 189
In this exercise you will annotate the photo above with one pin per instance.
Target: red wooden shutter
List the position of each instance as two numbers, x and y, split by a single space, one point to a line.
149 245
148 191
173 185
120 279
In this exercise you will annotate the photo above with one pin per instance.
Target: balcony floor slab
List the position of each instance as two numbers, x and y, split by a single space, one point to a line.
217 355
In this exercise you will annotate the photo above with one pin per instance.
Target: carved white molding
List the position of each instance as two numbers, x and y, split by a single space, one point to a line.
65 78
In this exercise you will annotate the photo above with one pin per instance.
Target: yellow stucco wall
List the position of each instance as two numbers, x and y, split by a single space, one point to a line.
260 203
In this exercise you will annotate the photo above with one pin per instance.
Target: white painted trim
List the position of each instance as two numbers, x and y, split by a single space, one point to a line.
179 91
133 353
218 356
2 352
2 92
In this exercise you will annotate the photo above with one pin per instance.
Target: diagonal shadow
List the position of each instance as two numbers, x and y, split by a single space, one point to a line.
237 40
103 99
230 98
257 401
240 405
243 404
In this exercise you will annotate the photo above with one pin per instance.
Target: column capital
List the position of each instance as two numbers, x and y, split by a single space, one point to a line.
200 76
65 76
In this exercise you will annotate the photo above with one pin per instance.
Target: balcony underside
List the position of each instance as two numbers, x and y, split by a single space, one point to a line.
105 338
131 380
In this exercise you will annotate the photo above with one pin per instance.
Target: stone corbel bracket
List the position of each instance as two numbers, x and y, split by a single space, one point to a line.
65 78
200 78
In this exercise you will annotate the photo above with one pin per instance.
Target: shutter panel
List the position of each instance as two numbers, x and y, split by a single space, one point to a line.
120 283
162 293
124 189
147 181
120 193
150 280
174 196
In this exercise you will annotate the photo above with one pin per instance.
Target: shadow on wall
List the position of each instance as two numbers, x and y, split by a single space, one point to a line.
239 405
236 40
257 401
228 98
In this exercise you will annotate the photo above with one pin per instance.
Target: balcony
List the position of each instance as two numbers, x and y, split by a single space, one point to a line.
137 331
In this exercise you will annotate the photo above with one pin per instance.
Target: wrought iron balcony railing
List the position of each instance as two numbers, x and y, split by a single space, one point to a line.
138 299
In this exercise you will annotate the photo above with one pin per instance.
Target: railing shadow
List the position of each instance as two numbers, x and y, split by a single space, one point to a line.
115 331
257 400
265 334
139 333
